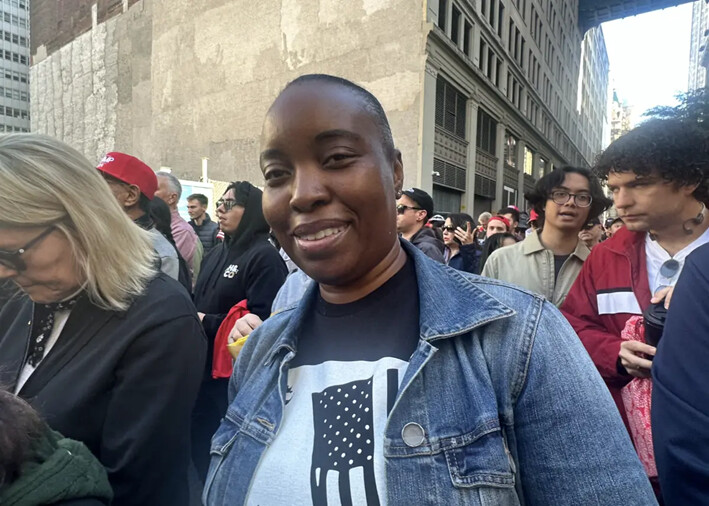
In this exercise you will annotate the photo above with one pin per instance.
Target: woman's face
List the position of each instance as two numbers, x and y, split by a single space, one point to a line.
47 271
330 183
229 220
449 233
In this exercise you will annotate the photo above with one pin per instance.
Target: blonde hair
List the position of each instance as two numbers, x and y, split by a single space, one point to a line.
44 181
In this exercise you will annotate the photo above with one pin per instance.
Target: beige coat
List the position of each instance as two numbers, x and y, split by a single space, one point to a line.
529 265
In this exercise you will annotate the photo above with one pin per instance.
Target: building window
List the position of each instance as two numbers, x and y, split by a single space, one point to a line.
528 161
455 24
467 37
450 108
510 150
442 9
487 132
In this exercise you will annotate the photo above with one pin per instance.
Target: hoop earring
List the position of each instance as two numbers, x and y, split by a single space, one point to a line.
697 220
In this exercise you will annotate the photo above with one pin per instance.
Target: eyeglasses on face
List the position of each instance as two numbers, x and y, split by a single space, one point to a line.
561 197
13 259
401 208
227 204
449 228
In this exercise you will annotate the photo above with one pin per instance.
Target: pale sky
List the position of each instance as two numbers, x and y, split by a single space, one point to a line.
649 56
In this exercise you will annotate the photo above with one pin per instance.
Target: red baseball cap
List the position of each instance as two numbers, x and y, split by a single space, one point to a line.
130 170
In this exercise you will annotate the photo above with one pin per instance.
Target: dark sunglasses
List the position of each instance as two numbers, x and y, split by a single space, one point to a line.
12 259
401 208
228 204
450 228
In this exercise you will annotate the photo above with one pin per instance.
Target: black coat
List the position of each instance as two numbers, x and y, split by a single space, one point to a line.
245 266
207 232
122 383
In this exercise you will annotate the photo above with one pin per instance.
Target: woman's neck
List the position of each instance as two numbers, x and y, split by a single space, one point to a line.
380 274
560 242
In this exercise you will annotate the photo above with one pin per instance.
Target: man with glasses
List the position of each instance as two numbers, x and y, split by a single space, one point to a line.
133 184
413 209
548 261
658 176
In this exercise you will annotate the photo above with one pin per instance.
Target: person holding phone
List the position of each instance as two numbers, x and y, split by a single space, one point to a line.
461 251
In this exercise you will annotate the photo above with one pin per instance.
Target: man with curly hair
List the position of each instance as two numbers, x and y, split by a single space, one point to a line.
657 174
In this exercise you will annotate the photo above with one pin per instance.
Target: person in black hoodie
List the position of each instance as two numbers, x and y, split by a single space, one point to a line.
244 266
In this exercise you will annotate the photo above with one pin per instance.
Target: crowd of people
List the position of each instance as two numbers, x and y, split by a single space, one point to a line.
291 352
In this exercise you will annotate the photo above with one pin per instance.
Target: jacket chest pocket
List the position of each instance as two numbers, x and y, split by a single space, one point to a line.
480 460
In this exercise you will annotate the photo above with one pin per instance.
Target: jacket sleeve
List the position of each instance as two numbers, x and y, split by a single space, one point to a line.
577 450
680 409
581 310
431 251
170 266
264 278
470 258
491 267
145 440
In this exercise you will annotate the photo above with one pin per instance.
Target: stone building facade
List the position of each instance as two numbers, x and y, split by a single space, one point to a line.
698 53
482 98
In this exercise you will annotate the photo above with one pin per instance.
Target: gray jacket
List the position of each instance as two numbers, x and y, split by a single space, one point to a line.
169 264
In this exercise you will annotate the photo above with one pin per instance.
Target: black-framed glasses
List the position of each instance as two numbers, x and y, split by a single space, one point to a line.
13 259
401 208
561 197
227 204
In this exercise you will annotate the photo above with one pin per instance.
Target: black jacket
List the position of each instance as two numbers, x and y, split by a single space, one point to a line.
207 233
122 383
244 266
426 240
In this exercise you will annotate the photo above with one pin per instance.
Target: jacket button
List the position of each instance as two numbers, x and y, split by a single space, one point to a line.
413 434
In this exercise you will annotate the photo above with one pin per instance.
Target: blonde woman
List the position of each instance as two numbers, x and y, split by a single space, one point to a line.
109 351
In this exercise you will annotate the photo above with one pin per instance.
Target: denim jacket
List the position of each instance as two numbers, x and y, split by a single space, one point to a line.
511 408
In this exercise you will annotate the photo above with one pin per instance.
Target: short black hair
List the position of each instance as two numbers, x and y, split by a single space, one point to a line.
20 427
509 210
202 199
542 190
370 102
144 203
676 150
493 243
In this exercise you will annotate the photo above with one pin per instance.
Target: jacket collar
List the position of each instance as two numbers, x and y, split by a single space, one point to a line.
533 244
85 322
450 303
625 242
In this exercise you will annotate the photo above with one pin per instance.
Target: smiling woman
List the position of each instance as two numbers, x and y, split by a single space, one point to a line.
95 325
395 372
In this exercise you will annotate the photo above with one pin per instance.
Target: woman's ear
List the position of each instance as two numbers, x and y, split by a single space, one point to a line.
398 173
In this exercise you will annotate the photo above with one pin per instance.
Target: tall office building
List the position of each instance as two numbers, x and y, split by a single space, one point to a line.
14 66
698 53
483 96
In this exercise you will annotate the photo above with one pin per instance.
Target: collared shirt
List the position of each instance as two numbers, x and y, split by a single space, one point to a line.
60 319
185 237
530 265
